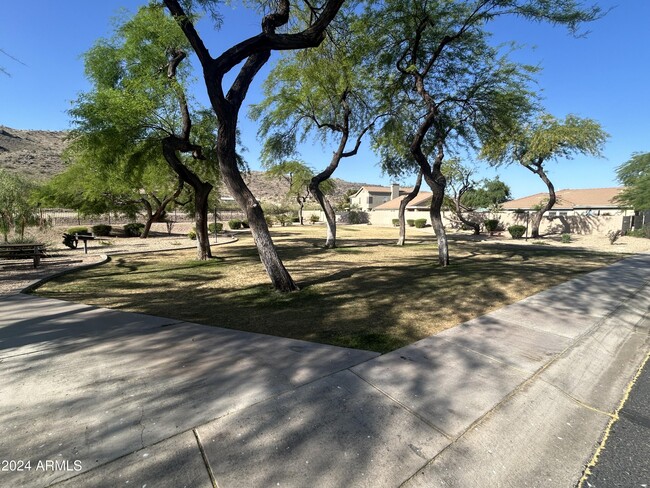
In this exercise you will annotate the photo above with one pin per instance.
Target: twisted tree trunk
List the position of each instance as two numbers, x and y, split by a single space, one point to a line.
537 217
402 209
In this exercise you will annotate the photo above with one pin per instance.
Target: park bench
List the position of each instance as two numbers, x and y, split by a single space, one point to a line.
72 240
23 251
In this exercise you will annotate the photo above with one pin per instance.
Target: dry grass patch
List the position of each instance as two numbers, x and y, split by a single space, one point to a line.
367 293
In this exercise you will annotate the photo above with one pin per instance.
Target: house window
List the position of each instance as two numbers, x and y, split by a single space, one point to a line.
369 200
551 214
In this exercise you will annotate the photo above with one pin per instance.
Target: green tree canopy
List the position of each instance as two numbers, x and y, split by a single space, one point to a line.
17 209
635 176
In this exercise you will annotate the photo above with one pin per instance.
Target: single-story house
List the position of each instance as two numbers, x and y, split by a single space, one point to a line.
590 201
418 208
370 197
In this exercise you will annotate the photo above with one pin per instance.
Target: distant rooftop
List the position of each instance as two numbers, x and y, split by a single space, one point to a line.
571 199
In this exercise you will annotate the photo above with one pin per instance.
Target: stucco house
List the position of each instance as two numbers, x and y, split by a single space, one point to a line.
590 201
371 196
418 208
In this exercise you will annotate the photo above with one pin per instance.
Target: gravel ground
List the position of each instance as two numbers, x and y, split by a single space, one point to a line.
16 275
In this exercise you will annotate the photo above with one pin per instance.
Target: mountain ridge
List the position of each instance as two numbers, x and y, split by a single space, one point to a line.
36 154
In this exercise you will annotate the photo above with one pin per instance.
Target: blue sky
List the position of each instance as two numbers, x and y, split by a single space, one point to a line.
604 76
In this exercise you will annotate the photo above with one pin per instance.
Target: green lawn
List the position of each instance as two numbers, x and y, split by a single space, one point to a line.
367 294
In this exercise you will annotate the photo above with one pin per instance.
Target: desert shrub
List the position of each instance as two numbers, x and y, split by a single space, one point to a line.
295 220
420 223
134 229
283 219
22 240
235 224
395 222
212 228
313 218
614 235
565 239
102 229
517 231
269 220
192 234
78 230
491 225
410 222
642 232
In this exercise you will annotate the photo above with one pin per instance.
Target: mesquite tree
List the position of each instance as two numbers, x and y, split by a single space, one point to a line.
137 108
463 86
543 140
308 31
323 92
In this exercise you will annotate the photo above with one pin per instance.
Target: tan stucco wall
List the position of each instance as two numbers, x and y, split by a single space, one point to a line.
574 224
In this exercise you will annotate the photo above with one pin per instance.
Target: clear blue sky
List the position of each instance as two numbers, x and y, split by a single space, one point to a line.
604 76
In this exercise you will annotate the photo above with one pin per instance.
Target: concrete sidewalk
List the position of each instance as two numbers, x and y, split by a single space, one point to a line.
519 397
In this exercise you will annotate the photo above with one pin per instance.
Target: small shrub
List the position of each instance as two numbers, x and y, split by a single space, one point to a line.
192 234
134 229
102 229
212 227
235 224
395 222
642 232
420 223
295 220
78 230
269 220
313 218
614 235
517 231
566 238
283 219
410 222
491 225
21 240
519 211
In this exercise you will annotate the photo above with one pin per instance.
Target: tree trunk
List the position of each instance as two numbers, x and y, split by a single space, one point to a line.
437 200
301 206
227 157
330 215
474 225
150 217
537 217
402 209
201 194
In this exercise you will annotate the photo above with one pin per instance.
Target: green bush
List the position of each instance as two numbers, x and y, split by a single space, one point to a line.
192 234
211 227
517 231
235 224
420 223
134 229
395 222
78 230
410 222
283 219
642 232
295 220
491 225
102 229
566 238
269 220
313 218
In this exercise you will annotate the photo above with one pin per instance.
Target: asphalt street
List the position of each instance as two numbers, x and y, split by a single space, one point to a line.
624 461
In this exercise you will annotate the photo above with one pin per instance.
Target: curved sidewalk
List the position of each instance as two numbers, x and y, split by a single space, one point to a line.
518 397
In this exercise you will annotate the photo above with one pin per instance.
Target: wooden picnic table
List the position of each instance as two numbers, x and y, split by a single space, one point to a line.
34 251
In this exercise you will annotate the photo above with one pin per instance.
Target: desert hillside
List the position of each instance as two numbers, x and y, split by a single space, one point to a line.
32 153
37 154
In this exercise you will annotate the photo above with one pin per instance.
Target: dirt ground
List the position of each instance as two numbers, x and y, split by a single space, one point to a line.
16 275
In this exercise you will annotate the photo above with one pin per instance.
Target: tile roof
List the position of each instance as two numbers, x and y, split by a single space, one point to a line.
421 200
382 189
569 199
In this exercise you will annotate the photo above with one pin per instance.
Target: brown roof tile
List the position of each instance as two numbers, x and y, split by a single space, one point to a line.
569 199
419 201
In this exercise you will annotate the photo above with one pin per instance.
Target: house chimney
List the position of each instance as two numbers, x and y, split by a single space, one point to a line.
394 191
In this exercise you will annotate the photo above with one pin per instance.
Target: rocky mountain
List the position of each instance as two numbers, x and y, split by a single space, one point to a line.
32 153
37 154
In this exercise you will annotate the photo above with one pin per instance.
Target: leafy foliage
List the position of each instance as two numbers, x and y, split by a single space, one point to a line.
635 176
16 207
517 231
